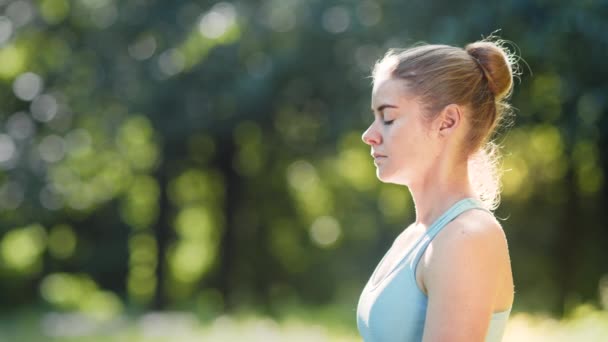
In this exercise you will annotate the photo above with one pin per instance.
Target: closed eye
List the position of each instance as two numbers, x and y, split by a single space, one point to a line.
384 122
380 111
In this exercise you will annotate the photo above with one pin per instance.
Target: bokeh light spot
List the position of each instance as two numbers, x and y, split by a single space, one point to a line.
66 290
189 259
6 29
21 248
143 48
62 241
52 148
369 13
325 231
21 12
54 11
336 19
27 86
13 62
20 126
136 141
195 223
218 20
44 108
171 62
7 148
140 206
302 175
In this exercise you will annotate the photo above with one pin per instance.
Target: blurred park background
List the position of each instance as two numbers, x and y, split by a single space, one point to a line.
193 170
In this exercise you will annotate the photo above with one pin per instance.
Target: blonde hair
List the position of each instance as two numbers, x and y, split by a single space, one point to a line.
479 76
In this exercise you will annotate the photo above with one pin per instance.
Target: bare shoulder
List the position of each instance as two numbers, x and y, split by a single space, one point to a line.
467 277
473 227
472 242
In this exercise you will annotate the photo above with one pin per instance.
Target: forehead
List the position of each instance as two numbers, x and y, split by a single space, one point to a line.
390 91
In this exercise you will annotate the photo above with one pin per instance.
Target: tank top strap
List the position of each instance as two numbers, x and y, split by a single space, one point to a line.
450 214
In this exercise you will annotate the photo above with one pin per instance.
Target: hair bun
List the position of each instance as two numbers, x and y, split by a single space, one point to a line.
496 65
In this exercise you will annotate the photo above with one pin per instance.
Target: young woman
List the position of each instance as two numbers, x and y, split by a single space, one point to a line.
447 277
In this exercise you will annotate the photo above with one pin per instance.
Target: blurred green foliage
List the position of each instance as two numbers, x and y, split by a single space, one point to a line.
295 324
156 154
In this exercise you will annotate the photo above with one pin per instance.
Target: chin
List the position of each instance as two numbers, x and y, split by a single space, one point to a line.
390 178
385 177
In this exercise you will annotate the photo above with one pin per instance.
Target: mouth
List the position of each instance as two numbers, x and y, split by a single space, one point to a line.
378 158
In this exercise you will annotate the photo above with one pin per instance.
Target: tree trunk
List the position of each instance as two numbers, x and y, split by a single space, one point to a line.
161 231
227 250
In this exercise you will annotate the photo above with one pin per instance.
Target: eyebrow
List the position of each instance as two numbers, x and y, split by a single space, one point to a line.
380 108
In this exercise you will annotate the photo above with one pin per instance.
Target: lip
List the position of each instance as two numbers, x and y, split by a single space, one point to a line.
378 155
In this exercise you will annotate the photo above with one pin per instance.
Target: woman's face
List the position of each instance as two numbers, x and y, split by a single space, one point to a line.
401 141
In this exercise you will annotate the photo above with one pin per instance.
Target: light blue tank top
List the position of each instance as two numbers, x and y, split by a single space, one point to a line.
394 308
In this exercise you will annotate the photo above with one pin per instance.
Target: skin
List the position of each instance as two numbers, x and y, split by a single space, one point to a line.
465 271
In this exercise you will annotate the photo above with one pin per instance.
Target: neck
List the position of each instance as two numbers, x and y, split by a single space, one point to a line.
438 190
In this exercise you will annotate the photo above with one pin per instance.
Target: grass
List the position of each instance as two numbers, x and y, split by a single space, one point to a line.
585 324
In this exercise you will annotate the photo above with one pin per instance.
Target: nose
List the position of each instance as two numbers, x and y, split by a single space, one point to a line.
371 136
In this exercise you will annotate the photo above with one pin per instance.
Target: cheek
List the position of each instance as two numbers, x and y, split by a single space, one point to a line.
411 145
402 138
398 131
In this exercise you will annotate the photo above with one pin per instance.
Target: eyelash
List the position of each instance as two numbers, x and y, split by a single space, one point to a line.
386 122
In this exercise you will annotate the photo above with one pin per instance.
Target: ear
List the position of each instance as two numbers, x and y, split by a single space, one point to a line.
449 119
